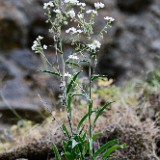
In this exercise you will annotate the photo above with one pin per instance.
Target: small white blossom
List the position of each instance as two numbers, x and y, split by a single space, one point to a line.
75 2
73 30
73 57
71 13
109 19
44 46
36 43
67 75
57 11
49 4
96 44
81 4
80 16
92 11
79 31
39 38
99 5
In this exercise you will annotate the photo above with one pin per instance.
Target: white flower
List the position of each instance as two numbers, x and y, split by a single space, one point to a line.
49 4
39 37
67 75
95 44
37 44
99 5
81 4
73 30
79 31
109 19
73 57
57 11
71 1
44 46
92 11
80 16
71 13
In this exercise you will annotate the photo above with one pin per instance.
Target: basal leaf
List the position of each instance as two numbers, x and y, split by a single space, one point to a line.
104 147
110 151
100 111
57 155
65 131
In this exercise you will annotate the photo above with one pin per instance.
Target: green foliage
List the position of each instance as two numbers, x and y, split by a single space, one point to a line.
72 82
153 78
100 111
57 155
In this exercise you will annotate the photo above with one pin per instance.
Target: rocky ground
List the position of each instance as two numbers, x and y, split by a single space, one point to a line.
133 119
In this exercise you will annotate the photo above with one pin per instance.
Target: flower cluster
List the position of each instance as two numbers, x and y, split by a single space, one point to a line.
75 2
57 11
92 11
99 5
94 45
49 4
73 30
72 57
71 13
37 44
109 19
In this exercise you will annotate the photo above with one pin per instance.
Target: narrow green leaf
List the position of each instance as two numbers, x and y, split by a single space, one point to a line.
68 155
65 131
73 64
69 102
104 147
110 151
95 136
82 120
94 77
80 132
84 61
64 144
51 72
57 155
84 136
100 111
87 147
69 87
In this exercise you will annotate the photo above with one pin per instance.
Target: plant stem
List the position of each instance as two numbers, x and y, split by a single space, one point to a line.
90 109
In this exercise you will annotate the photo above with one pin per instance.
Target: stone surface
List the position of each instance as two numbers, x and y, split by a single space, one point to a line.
130 49
133 5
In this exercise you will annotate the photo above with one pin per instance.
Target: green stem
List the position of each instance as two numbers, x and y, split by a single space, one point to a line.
90 110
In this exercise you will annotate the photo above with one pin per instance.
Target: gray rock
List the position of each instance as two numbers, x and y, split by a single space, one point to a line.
133 5
25 59
5 71
12 27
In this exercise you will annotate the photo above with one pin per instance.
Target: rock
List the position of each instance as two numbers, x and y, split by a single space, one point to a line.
133 5
25 59
12 27
5 71
19 110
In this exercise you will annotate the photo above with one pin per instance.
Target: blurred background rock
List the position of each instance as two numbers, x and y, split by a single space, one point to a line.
130 50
